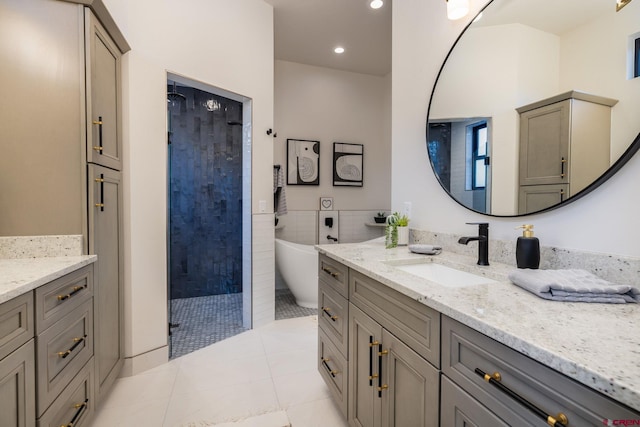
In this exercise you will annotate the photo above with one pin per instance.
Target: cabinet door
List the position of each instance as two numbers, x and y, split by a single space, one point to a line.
411 398
103 90
365 336
17 388
105 240
533 198
544 144
461 410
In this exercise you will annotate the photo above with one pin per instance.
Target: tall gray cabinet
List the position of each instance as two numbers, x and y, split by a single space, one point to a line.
565 145
61 162
104 163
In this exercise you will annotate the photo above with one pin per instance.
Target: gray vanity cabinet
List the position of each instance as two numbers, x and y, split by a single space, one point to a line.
105 240
394 354
378 350
17 363
471 398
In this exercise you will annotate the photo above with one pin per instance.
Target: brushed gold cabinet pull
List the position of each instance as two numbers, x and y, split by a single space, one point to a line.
330 273
326 365
80 409
101 181
75 290
382 387
327 311
76 343
559 420
98 122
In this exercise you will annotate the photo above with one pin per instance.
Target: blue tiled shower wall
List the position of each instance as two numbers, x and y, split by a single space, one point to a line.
205 220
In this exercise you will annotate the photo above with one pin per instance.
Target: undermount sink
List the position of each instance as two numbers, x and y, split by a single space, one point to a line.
443 275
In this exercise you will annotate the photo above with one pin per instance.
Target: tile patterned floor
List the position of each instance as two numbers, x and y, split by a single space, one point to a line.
264 370
206 320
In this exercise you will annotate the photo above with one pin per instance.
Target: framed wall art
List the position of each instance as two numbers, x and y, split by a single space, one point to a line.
303 162
347 164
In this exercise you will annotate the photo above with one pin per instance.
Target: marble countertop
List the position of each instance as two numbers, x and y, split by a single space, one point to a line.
598 345
21 275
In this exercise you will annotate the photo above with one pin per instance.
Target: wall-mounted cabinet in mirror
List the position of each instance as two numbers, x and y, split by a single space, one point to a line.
521 54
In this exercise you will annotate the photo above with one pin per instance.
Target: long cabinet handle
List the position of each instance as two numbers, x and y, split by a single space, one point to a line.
76 343
75 290
80 409
381 353
372 344
101 182
327 311
326 365
562 163
330 273
99 147
559 420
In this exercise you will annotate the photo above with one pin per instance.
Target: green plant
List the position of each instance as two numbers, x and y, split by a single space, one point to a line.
394 221
381 214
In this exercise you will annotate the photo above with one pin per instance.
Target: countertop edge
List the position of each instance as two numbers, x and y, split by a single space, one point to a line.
23 275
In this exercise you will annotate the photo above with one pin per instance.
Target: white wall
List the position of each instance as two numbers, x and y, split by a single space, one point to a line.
223 43
330 106
603 221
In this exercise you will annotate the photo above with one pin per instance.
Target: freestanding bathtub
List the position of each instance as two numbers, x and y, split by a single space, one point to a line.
298 265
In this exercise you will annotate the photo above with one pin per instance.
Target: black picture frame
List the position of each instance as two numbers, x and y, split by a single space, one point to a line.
303 162
348 164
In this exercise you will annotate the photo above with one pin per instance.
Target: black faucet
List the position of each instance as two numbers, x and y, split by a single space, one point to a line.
483 241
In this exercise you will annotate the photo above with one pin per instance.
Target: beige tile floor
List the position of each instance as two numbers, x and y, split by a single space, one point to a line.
264 370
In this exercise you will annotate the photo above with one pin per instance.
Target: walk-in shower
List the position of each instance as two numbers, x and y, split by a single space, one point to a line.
205 202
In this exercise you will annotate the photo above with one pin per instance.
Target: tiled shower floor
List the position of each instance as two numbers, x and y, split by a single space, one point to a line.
205 320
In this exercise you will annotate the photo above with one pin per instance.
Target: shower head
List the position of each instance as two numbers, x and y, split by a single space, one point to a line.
174 95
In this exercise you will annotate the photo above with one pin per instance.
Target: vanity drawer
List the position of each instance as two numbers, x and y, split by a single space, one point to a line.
334 274
465 350
333 316
74 407
62 350
16 323
55 299
414 323
333 369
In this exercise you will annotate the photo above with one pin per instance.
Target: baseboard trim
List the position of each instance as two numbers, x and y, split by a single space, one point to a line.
145 361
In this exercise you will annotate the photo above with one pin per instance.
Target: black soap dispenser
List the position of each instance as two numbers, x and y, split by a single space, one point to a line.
527 248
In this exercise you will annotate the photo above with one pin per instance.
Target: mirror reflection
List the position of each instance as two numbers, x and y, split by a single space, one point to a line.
535 102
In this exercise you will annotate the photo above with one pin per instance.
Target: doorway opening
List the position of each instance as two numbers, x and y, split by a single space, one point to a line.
209 214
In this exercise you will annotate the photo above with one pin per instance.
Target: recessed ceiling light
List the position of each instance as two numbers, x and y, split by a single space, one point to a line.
339 49
376 4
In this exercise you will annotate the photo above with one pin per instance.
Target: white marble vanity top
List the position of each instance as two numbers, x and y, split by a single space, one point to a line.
21 275
596 344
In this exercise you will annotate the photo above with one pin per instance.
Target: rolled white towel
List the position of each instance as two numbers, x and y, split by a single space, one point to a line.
573 285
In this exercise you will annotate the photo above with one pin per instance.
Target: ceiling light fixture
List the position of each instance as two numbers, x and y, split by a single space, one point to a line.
339 49
376 4
457 9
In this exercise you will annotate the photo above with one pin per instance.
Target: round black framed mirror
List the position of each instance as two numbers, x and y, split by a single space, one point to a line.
536 104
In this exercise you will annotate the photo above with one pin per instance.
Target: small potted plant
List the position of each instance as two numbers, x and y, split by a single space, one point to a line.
397 230
380 218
